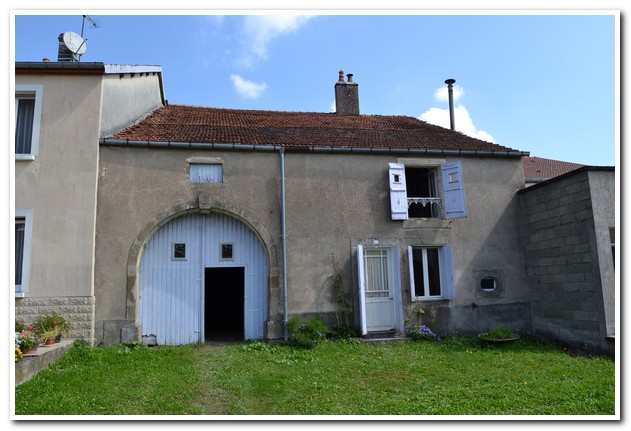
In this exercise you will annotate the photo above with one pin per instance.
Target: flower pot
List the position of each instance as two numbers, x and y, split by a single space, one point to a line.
49 341
498 340
31 351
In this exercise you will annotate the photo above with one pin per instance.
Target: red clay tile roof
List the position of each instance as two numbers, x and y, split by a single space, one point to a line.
180 123
538 168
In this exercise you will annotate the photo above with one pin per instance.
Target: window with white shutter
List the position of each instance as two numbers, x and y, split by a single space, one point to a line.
427 191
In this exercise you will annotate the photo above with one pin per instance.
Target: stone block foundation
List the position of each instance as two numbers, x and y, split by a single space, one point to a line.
78 311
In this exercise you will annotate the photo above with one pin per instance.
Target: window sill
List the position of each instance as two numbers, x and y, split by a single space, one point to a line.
426 223
435 300
24 157
20 295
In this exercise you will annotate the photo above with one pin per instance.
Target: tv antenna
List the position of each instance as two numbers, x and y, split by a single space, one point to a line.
93 23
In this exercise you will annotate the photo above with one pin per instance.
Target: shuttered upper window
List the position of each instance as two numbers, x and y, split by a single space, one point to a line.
415 192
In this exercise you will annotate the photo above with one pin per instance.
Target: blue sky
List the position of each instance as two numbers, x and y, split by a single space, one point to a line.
539 83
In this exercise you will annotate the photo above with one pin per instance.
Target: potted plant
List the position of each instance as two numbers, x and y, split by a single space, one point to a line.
26 341
52 321
49 336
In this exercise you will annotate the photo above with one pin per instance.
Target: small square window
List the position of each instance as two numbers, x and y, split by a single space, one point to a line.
179 251
206 173
227 251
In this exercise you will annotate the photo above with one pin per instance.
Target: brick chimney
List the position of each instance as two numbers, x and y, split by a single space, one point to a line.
346 95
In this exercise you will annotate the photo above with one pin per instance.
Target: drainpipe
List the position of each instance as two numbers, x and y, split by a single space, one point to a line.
283 237
450 83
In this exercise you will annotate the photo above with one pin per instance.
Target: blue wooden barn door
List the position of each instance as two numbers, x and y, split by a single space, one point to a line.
172 277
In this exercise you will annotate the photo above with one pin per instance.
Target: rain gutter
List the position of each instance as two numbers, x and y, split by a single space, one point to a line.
310 149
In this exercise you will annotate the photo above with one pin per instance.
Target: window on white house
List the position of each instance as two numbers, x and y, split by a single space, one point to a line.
431 273
28 106
427 192
23 228
19 250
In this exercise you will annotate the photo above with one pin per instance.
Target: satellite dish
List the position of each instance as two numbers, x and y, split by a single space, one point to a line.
75 43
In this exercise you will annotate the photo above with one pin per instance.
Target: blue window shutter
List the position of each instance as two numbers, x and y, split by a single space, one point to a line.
361 281
398 192
447 272
453 190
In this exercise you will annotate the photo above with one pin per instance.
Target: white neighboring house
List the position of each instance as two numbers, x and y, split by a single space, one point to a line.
61 111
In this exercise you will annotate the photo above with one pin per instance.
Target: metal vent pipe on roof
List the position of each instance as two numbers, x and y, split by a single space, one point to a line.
452 121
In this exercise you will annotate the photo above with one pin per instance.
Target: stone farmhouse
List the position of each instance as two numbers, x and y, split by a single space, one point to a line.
137 219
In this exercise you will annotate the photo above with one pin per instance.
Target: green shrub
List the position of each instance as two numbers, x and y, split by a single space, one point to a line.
306 334
344 332
498 333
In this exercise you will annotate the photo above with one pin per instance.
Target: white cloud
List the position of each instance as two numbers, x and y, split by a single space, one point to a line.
442 94
464 124
260 30
247 89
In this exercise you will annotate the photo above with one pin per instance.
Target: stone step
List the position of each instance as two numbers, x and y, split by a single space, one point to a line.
383 337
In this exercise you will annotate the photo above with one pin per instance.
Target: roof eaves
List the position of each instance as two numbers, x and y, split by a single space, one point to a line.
302 148
60 67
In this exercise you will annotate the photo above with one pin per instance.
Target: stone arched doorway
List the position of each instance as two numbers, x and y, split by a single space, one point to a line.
201 272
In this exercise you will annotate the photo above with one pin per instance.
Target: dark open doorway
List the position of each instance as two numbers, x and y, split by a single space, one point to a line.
224 304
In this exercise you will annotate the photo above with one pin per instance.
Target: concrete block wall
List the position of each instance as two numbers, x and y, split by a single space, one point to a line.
566 298
77 310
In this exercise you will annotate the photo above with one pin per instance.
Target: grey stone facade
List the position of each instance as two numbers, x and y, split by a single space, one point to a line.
570 273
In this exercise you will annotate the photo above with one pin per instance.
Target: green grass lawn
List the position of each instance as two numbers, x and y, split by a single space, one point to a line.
459 376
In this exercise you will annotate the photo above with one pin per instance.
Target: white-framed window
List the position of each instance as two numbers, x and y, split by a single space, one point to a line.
427 191
205 170
431 272
23 235
28 113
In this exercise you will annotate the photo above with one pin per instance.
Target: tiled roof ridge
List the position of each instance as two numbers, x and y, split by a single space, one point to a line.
204 124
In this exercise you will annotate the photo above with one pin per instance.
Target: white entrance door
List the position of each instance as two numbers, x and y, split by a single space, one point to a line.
377 289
